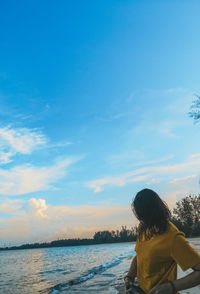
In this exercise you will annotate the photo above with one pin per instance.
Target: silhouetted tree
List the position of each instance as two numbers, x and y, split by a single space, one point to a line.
103 237
186 215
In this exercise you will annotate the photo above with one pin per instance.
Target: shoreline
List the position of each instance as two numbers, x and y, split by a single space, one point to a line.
14 248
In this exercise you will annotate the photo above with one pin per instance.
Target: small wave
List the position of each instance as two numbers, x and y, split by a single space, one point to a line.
53 271
88 275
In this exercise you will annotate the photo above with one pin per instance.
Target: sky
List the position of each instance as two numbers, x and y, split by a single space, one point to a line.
94 102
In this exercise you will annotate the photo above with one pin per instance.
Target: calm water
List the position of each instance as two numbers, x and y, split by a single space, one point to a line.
82 269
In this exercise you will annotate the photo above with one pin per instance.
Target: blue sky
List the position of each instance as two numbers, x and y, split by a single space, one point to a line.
94 102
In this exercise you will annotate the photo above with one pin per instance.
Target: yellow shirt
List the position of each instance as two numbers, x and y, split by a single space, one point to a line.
158 257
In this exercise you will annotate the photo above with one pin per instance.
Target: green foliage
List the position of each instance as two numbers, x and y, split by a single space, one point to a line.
195 109
186 215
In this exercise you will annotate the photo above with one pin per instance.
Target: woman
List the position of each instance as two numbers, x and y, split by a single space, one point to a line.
159 248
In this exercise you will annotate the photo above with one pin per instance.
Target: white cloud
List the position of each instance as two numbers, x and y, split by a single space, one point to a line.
19 140
22 140
43 222
149 173
38 207
27 178
5 157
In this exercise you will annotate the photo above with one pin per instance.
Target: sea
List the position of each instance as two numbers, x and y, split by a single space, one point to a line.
78 269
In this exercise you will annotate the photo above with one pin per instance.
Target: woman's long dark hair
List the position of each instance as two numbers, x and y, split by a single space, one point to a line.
152 212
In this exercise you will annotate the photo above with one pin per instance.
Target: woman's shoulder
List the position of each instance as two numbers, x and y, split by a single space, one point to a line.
173 227
173 230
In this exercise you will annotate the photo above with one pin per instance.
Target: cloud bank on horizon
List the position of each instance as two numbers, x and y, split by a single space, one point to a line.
90 114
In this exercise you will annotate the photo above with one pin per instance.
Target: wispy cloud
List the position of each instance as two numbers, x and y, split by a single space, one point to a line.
5 157
121 180
136 158
11 207
166 128
148 173
27 178
19 140
59 144
183 179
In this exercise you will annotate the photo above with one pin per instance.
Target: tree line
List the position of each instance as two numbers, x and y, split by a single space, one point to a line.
122 235
185 215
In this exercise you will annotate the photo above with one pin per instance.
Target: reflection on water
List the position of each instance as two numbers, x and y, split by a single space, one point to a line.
39 270
96 269
20 271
